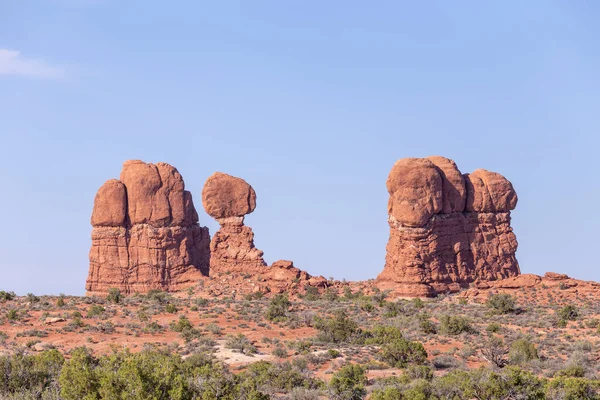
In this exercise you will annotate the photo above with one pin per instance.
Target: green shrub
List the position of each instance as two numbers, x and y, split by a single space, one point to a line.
572 371
502 303
349 382
572 389
419 372
6 296
493 327
12 314
338 329
278 307
171 308
282 377
95 310
455 324
522 351
568 313
383 334
78 379
181 325
400 352
311 294
241 343
114 295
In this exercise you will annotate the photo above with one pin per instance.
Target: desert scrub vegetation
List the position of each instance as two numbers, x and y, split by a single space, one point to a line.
149 374
502 303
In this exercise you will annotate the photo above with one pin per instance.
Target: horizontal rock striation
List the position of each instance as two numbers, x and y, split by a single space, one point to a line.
145 233
447 229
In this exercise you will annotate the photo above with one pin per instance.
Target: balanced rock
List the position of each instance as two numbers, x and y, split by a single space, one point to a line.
145 233
228 199
447 230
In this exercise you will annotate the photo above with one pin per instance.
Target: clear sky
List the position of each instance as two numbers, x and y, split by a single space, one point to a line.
311 102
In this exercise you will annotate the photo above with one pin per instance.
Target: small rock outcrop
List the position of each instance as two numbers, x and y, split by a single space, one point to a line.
228 199
145 233
447 229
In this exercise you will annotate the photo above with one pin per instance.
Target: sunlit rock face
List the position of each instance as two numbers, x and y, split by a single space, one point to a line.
145 233
446 229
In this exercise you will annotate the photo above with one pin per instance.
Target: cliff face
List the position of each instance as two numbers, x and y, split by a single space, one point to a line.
447 229
145 233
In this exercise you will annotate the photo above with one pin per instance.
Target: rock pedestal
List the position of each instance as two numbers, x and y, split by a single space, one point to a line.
228 199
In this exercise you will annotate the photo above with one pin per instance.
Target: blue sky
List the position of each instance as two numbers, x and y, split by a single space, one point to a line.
312 103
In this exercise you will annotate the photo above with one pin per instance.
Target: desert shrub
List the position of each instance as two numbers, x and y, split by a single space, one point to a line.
304 394
383 334
455 324
281 377
400 352
330 295
311 293
60 301
338 329
493 327
6 296
95 310
522 351
512 383
12 314
502 303
278 307
258 295
419 372
32 298
214 329
572 371
157 296
23 373
78 379
563 388
241 343
568 313
202 302
495 351
427 326
171 308
181 325
387 393
348 383
114 295
280 352
445 361
153 328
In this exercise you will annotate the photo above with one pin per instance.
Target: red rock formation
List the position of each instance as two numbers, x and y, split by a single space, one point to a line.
145 233
228 199
447 230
